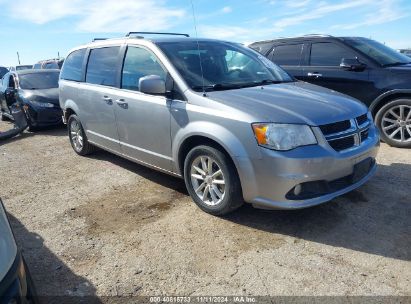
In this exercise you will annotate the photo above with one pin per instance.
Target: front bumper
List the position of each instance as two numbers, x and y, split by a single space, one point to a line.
40 117
268 181
16 286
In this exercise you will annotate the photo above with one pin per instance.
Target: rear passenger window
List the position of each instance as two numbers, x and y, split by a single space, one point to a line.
73 68
328 54
262 48
102 66
287 54
139 63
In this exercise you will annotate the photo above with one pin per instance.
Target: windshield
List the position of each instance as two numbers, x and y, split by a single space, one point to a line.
23 67
39 81
379 52
224 65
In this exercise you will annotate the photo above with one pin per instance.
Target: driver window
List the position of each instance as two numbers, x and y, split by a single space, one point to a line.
139 63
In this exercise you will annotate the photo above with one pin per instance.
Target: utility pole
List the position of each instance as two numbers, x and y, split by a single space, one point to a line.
18 57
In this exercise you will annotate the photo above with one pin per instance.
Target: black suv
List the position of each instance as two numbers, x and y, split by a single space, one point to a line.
363 68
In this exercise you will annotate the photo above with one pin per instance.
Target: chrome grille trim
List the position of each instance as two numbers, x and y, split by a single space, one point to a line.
359 134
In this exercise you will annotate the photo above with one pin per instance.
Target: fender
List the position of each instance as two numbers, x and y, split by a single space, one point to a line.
216 132
70 104
224 137
376 101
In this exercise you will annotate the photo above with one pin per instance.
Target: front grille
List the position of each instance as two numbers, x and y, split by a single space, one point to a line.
362 119
335 127
364 135
346 134
342 143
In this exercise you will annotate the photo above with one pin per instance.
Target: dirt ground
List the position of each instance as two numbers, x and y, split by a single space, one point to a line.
101 225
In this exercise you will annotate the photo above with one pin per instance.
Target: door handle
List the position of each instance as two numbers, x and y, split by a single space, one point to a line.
316 75
108 100
122 103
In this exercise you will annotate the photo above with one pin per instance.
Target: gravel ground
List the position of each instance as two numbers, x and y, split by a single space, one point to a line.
101 225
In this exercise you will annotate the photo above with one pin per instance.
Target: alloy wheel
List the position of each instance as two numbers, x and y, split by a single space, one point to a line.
76 135
396 123
207 180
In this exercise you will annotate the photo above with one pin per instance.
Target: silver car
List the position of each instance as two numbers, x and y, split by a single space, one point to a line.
234 125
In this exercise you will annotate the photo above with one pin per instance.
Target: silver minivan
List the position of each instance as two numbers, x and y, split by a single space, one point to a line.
230 122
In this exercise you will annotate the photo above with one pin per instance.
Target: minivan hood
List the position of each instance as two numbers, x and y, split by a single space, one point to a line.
46 95
293 102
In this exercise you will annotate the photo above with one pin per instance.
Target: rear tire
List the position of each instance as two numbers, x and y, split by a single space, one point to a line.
394 122
78 137
212 180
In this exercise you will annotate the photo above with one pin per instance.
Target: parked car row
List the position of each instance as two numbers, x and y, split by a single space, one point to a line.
55 63
20 67
406 52
365 69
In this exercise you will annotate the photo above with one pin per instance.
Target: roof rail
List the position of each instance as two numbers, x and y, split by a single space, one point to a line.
98 39
317 35
156 33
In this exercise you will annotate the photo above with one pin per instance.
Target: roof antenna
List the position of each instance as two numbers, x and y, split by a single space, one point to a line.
198 48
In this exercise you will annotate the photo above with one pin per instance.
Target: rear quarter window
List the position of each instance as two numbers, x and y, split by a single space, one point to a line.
262 48
102 66
72 69
287 54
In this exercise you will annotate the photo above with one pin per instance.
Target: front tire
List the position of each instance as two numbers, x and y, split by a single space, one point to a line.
394 122
212 180
78 137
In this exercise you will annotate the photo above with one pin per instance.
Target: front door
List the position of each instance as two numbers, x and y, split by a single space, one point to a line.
324 70
6 100
143 120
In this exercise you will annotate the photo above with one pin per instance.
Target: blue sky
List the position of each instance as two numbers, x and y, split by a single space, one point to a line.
41 29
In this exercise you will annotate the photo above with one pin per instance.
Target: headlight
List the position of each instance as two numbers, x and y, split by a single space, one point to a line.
42 104
8 248
283 136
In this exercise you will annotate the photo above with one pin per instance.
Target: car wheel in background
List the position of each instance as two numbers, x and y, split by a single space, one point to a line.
394 122
212 180
78 138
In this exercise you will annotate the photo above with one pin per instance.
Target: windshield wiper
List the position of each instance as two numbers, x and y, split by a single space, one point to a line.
262 82
217 87
232 86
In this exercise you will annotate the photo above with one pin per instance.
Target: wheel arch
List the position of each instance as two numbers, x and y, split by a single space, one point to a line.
69 108
388 96
216 136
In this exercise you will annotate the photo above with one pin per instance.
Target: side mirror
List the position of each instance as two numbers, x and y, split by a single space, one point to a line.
152 84
352 64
